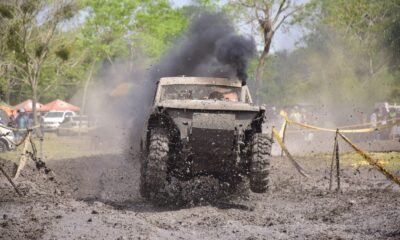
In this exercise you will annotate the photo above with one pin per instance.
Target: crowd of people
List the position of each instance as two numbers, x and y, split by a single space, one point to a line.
18 121
384 118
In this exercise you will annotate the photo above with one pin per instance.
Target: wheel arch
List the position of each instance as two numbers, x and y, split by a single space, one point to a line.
159 120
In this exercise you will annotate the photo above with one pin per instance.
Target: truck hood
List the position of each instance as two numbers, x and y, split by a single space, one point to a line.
208 105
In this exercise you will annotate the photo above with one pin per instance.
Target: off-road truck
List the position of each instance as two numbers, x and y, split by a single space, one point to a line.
204 126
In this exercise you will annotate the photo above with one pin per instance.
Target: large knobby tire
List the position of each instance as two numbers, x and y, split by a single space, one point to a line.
154 165
260 163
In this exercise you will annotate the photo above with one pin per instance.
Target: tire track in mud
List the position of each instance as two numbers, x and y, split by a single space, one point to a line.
294 208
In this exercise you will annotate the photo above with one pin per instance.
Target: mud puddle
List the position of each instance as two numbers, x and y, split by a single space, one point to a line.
97 198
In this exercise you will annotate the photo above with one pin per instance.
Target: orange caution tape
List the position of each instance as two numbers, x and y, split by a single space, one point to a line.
308 126
371 161
275 133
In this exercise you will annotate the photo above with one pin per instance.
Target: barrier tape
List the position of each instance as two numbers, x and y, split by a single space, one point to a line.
382 122
16 144
24 156
19 129
277 136
371 161
308 126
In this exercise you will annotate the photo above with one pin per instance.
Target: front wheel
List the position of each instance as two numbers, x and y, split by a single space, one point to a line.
154 165
260 163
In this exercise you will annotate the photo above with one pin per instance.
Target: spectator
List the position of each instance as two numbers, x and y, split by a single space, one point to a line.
12 123
22 123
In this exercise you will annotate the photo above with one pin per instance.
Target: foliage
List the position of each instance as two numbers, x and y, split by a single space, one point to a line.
95 33
30 29
116 29
157 26
267 17
345 62
350 55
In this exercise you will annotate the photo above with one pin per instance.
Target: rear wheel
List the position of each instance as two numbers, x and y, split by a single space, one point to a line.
154 165
260 163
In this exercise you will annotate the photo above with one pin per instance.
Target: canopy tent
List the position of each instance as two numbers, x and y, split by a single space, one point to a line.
60 105
7 108
27 105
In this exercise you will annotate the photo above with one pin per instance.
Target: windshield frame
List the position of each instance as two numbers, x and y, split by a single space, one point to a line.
245 96
199 92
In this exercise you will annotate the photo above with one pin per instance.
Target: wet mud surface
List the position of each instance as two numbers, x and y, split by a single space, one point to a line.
98 198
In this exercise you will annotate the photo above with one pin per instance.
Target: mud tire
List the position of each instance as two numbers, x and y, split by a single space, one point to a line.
154 165
260 163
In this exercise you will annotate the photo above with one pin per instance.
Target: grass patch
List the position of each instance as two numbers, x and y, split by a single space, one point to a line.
56 148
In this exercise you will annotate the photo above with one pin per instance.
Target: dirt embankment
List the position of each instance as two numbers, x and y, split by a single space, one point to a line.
97 198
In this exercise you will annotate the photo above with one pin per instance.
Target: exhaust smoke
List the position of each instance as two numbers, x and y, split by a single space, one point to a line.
209 48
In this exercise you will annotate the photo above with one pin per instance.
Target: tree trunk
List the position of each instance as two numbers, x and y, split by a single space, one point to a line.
83 106
260 66
34 101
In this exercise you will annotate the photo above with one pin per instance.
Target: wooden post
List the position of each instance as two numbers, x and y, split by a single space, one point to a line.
337 164
335 144
41 147
283 135
24 157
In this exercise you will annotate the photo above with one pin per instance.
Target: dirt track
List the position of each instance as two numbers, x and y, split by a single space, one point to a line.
101 202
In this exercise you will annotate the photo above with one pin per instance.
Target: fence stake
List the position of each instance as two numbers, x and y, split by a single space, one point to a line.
333 161
283 135
337 164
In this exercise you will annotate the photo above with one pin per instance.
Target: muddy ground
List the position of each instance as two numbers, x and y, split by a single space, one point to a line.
97 198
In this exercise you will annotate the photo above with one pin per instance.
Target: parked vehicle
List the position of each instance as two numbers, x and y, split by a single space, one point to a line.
74 125
7 138
52 120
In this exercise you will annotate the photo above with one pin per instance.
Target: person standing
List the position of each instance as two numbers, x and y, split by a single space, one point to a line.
22 122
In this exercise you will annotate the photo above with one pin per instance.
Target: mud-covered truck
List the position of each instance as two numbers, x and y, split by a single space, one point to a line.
204 126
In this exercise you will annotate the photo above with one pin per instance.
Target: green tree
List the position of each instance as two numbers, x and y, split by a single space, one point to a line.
157 26
115 29
343 62
267 17
127 30
32 27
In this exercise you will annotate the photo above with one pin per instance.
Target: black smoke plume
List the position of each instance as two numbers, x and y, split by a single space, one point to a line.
209 48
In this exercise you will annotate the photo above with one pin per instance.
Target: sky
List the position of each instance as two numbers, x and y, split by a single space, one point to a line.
283 39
